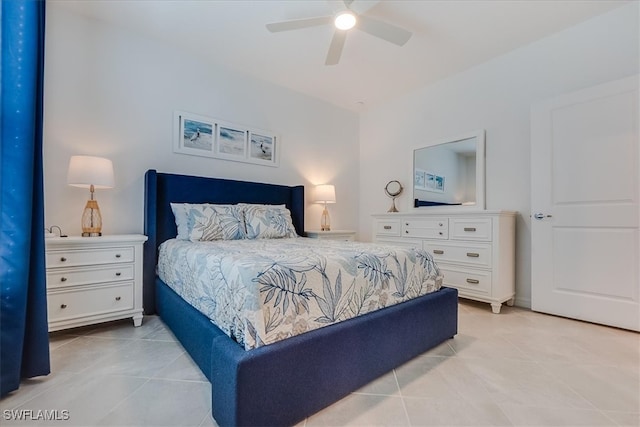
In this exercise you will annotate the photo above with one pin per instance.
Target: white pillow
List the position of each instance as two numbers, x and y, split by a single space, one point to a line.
268 221
203 222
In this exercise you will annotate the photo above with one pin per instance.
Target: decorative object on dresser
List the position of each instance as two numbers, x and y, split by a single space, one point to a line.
393 189
345 235
474 250
94 280
325 193
92 173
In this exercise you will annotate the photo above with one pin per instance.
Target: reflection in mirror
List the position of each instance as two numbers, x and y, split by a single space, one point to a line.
450 173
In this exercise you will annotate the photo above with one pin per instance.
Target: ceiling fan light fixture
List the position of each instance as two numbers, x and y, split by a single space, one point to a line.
345 21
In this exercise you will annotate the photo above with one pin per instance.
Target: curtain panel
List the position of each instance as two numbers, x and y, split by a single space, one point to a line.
24 341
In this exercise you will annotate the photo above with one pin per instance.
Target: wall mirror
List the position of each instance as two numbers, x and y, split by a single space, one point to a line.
450 172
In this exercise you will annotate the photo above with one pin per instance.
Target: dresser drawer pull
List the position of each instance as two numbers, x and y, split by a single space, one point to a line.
440 224
118 298
473 254
63 259
63 279
406 231
469 229
118 274
441 233
438 251
63 305
473 281
387 227
406 223
118 255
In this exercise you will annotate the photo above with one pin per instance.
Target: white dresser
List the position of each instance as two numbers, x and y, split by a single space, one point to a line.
475 251
93 279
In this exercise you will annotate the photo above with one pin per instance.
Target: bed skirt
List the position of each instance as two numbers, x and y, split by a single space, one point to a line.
285 382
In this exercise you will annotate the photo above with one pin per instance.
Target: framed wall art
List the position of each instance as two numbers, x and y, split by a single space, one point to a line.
198 135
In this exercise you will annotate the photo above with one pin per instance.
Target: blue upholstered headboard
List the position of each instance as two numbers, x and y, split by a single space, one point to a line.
161 189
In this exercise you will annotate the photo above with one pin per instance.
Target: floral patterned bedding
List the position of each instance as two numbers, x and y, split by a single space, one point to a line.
265 290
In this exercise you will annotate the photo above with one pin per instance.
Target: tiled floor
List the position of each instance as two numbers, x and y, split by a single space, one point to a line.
515 368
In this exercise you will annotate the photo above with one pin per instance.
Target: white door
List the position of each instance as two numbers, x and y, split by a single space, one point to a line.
585 242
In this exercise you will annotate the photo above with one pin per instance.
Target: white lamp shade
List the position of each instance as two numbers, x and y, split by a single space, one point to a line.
85 171
325 193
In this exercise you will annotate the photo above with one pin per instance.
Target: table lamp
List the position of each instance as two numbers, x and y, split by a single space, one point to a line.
92 173
325 193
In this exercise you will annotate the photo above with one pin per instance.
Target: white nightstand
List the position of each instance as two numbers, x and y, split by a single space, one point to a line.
347 235
93 279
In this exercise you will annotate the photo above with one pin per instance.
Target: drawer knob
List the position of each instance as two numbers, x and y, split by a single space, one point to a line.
438 251
118 274
118 298
473 255
440 224
63 259
406 223
63 305
387 227
473 281
406 231
469 229
440 233
63 279
118 255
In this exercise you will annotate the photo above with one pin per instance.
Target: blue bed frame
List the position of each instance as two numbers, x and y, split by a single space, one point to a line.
285 382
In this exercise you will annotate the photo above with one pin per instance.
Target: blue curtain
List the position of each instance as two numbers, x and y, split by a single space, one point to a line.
24 342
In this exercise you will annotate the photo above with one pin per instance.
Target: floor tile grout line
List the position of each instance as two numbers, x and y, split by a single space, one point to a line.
401 396
134 391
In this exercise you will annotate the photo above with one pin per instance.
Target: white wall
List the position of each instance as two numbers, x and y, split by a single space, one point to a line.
495 96
111 92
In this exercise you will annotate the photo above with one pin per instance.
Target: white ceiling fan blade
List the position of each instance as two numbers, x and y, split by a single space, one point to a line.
297 24
361 6
335 49
337 6
388 32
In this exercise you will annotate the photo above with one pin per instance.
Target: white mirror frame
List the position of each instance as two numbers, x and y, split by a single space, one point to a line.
480 171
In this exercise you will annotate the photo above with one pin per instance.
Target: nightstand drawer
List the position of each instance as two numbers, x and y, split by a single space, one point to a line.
72 258
473 254
471 229
469 280
67 304
83 276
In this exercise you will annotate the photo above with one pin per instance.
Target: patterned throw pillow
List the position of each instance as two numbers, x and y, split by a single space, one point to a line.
268 221
202 222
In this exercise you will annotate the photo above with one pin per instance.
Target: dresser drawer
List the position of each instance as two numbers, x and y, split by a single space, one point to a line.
72 258
471 229
405 243
67 304
474 281
436 228
472 254
83 276
388 228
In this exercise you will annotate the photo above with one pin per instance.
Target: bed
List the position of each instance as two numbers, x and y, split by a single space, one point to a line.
284 382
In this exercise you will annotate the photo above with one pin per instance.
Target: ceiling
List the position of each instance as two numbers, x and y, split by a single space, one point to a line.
449 36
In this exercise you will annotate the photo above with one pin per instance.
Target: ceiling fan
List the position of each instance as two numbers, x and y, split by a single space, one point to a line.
349 14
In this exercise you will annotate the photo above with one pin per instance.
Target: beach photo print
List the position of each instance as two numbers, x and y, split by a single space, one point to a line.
194 134
231 142
262 148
